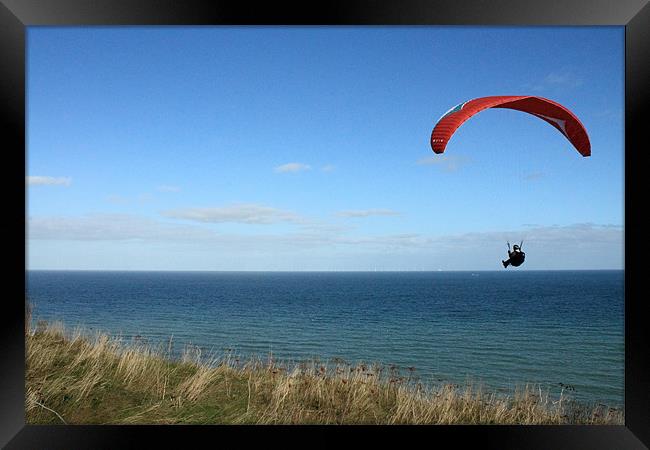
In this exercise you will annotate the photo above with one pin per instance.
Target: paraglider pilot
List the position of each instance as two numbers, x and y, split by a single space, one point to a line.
516 256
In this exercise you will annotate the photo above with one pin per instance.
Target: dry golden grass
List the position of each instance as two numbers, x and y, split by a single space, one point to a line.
77 379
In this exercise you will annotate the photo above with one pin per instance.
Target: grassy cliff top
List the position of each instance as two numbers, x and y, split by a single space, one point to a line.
74 378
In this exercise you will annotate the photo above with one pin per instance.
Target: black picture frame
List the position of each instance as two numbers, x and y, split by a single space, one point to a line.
16 15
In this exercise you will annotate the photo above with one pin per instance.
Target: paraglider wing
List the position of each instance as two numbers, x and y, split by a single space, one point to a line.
549 111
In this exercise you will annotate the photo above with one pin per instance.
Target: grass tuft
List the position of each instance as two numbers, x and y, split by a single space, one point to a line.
74 378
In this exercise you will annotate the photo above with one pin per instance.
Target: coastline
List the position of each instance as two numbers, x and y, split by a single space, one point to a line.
75 378
494 329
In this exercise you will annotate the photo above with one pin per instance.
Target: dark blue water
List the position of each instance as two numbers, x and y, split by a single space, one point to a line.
498 328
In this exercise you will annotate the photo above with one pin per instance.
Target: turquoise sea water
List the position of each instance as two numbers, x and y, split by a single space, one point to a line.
498 328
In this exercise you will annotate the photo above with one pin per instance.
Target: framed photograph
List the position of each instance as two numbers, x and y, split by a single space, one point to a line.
389 218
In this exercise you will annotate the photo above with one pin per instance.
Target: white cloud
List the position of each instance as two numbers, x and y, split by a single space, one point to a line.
126 226
449 163
577 246
367 213
555 80
110 227
48 181
609 113
534 176
239 213
563 79
328 168
552 237
117 199
325 228
292 167
145 197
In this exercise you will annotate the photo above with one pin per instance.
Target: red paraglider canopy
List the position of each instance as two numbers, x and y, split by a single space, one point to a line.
549 111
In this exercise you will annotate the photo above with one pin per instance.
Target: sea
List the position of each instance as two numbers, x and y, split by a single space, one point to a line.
562 331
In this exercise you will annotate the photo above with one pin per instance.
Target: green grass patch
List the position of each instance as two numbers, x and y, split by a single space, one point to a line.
78 379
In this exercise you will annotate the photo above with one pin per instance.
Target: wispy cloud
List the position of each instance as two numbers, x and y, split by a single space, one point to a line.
571 246
534 176
145 197
129 227
292 167
367 213
238 213
111 227
549 241
328 168
448 163
324 228
117 199
168 188
48 181
609 113
564 78
553 238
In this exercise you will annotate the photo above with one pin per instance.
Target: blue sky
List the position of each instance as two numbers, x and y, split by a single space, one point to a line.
307 148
